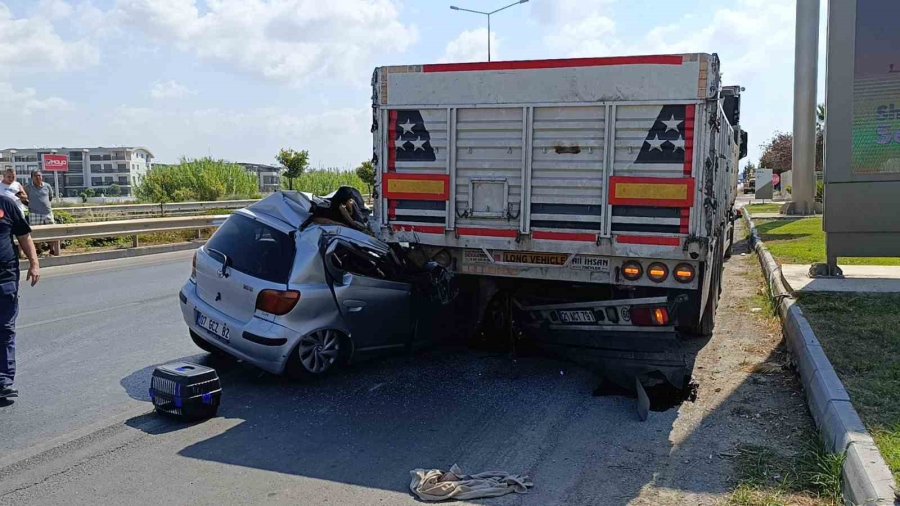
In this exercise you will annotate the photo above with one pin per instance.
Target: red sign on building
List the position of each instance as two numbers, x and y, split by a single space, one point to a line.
56 163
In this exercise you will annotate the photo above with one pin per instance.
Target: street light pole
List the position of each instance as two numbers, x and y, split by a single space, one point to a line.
488 14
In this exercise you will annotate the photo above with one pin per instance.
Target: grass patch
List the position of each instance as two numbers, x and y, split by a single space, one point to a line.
124 242
764 208
859 335
802 241
766 477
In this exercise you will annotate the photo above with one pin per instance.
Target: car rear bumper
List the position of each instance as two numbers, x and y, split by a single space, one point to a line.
259 342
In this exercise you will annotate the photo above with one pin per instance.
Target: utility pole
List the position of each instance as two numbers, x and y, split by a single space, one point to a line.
806 65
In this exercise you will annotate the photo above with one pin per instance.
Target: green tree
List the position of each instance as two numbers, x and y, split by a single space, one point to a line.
366 172
294 163
204 179
113 190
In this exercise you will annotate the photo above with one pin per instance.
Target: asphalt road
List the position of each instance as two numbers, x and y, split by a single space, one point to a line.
83 432
86 336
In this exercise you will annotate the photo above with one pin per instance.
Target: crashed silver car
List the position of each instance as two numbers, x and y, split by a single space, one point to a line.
288 285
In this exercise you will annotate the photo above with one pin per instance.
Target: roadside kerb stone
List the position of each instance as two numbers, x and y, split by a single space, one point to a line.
866 476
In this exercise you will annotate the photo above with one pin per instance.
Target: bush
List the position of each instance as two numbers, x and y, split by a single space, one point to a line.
63 217
820 191
198 180
788 189
323 182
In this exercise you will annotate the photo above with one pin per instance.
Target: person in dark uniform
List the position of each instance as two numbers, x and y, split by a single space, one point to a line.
12 223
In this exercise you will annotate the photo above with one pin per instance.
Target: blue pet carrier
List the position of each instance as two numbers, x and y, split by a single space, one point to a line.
186 391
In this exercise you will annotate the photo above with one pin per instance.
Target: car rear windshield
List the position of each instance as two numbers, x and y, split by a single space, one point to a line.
253 248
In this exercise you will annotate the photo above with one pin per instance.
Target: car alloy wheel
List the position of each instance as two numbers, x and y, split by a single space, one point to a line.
319 350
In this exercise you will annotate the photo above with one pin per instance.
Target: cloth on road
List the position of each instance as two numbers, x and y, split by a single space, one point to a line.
437 485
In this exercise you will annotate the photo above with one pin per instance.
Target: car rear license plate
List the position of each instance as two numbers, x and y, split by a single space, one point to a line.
214 327
576 316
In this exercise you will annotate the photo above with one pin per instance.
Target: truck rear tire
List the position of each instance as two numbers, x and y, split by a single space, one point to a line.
730 247
707 322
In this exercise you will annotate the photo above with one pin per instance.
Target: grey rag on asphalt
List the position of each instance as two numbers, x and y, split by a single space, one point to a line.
437 485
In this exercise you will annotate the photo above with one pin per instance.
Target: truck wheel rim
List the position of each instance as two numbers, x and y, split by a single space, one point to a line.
319 350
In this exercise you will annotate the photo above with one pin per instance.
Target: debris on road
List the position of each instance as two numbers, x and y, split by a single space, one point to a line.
437 485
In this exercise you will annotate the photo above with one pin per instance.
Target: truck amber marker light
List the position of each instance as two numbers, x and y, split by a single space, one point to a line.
684 273
657 272
632 271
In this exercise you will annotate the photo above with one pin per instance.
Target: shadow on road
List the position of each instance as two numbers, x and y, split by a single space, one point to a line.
137 384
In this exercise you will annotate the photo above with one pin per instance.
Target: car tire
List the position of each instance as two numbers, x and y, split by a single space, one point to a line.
318 353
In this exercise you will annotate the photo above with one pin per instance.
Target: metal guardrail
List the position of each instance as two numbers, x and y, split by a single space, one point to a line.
119 228
174 208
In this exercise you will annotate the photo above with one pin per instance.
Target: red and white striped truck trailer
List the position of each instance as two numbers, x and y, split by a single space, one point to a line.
584 203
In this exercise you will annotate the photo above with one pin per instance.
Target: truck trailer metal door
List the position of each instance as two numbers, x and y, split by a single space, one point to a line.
488 159
568 179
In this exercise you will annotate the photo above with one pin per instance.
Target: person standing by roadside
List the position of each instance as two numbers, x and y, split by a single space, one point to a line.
12 224
40 212
12 188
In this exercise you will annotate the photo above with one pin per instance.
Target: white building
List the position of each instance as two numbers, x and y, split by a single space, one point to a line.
89 168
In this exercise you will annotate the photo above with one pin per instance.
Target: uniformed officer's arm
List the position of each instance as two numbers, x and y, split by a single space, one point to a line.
22 231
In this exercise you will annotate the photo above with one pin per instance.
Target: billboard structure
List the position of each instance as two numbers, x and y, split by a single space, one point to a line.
862 130
56 163
764 184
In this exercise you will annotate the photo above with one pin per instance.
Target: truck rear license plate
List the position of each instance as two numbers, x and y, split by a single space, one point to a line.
576 316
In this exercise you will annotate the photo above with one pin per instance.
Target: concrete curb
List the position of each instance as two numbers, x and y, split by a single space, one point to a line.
867 478
114 254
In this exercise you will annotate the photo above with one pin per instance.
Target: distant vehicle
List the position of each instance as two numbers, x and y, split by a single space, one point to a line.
750 186
284 286
587 204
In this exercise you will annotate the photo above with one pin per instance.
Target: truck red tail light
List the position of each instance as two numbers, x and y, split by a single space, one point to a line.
649 316
684 273
277 302
657 272
632 270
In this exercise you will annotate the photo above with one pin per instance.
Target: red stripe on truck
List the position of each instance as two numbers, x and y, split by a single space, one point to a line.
648 240
689 113
563 236
555 64
488 232
685 220
419 228
392 146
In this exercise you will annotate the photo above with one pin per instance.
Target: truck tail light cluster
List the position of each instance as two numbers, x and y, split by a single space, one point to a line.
650 316
658 272
684 273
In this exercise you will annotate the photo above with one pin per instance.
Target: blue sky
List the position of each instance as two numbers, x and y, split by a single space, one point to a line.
239 79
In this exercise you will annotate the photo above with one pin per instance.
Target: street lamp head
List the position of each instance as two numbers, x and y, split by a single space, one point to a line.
522 1
454 7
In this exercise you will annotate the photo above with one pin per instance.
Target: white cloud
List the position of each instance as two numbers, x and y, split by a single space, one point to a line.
564 12
170 89
33 44
593 35
471 45
280 40
337 137
26 102
54 9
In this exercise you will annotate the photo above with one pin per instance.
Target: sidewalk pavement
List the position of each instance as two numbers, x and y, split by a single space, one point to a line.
857 278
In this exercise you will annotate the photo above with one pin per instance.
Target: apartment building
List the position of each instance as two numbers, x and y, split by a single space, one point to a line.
102 170
269 176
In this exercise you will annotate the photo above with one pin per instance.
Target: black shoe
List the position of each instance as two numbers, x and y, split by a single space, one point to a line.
7 392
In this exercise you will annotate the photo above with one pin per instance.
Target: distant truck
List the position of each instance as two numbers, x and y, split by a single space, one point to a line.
587 204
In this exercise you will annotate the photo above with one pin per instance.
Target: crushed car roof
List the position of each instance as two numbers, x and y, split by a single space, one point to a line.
291 207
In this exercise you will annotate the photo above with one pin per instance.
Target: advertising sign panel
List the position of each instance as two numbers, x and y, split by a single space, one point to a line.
56 163
862 130
876 88
764 184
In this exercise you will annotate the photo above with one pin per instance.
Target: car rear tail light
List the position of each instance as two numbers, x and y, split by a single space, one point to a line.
650 316
657 272
277 302
684 273
632 271
194 267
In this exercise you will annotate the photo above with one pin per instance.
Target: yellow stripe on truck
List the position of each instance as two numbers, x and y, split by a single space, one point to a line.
651 191
416 186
